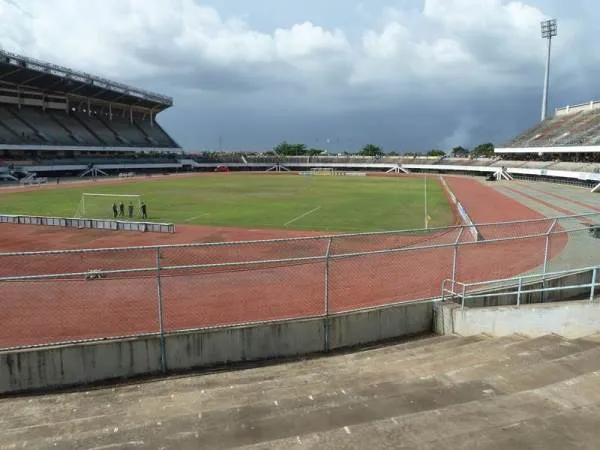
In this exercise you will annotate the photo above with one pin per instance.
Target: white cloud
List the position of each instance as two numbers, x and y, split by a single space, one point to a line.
432 52
138 38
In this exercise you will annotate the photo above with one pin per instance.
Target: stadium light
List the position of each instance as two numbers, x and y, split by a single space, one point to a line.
549 30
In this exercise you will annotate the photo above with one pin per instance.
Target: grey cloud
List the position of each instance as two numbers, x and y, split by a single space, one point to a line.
232 75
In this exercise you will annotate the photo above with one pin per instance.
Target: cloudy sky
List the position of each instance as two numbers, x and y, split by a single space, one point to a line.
408 75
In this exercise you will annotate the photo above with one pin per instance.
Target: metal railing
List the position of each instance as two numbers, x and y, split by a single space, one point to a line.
64 296
522 285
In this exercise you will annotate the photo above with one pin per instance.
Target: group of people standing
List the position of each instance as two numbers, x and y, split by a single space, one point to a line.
120 211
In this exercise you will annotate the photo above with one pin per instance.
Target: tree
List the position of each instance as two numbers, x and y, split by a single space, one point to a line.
393 154
371 150
286 149
460 152
436 152
314 151
483 150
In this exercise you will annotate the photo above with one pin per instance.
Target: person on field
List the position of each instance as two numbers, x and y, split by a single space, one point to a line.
115 212
130 210
121 210
144 213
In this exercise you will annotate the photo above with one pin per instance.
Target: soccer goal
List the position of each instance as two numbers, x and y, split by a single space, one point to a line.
100 206
321 171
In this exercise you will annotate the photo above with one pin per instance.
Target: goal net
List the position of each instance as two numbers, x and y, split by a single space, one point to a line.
321 171
100 206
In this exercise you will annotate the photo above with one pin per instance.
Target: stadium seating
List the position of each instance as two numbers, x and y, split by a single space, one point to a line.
154 134
577 128
32 125
72 126
18 130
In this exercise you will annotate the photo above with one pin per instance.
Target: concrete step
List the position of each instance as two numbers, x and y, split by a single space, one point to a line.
525 357
251 424
527 350
459 389
262 373
465 425
548 372
220 386
318 378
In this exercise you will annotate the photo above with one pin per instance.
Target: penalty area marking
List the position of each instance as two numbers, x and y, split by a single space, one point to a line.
301 216
195 217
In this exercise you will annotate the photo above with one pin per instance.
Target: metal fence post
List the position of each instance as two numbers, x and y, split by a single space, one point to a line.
455 256
326 303
547 245
161 325
519 291
546 251
593 287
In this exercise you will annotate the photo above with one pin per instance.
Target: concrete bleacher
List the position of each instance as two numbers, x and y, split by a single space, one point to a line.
72 126
154 133
97 128
436 392
125 131
33 125
19 130
579 127
45 127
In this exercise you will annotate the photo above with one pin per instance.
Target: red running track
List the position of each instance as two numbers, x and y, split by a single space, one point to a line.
49 311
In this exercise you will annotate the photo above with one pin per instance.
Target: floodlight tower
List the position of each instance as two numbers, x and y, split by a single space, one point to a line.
549 30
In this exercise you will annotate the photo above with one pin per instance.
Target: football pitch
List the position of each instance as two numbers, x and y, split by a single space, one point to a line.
316 203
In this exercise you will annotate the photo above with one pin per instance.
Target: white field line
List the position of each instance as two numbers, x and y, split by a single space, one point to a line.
301 216
195 217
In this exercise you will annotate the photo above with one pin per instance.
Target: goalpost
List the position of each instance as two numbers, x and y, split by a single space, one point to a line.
321 171
100 206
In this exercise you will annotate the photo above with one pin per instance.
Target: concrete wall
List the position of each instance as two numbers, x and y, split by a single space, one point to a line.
43 368
222 346
85 363
379 324
569 319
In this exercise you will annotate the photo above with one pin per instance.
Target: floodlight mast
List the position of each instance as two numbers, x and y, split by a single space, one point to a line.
549 30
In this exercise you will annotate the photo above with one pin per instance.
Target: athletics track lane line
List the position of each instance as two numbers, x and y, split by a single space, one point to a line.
566 212
560 197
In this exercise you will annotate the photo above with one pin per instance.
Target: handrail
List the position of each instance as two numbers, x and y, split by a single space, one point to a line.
517 282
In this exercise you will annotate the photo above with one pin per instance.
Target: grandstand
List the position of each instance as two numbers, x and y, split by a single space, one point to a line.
52 113
573 133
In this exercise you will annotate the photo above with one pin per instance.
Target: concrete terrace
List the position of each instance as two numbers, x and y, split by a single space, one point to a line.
436 392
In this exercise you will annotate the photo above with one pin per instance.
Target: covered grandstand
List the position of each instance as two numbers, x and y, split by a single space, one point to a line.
51 114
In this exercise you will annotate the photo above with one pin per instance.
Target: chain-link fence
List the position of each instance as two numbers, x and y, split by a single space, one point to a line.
64 296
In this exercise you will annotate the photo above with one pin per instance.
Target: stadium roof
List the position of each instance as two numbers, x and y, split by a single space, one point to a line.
22 71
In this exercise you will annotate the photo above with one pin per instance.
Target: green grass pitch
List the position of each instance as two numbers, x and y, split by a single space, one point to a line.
320 203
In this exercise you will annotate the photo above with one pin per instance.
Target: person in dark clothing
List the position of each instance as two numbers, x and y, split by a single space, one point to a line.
144 213
115 212
130 210
121 210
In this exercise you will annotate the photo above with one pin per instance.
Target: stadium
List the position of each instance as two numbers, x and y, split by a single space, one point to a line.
245 258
